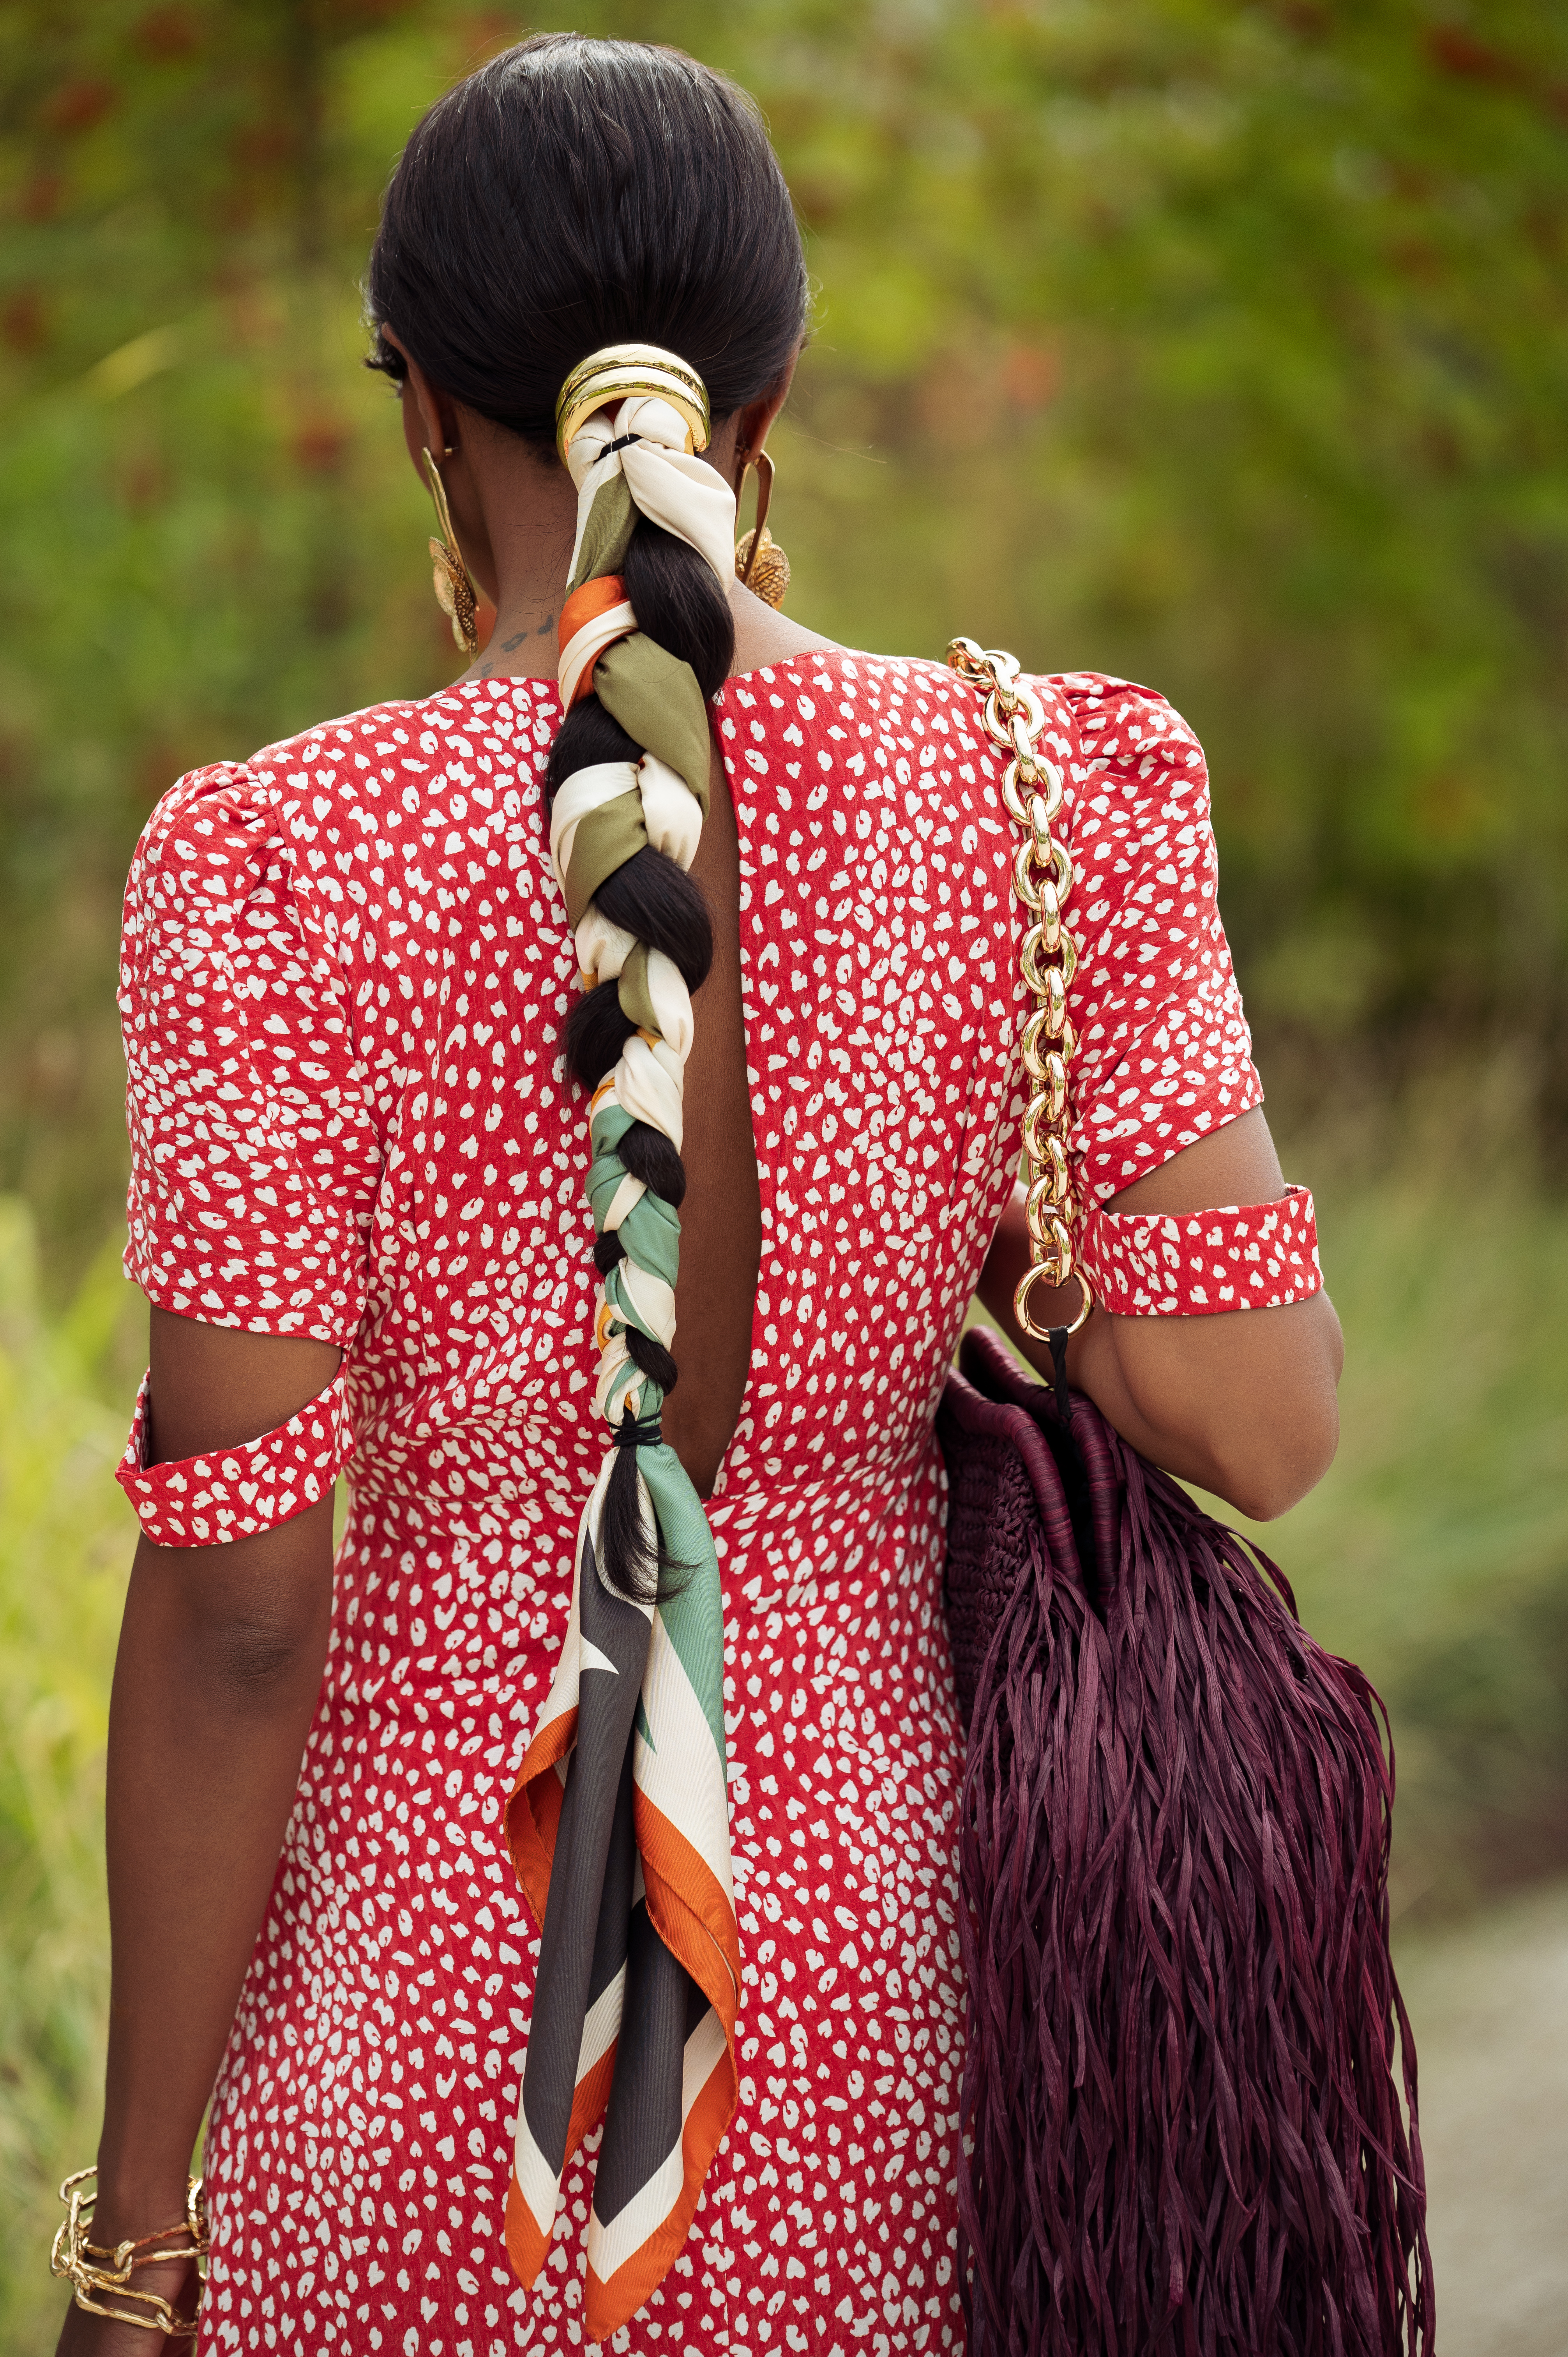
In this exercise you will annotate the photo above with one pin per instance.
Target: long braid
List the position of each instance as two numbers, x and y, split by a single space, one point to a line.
648 898
628 1768
647 641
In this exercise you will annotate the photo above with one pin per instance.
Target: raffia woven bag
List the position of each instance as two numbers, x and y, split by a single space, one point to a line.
1182 2131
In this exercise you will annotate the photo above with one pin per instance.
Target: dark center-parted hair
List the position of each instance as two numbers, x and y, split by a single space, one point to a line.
569 195
577 193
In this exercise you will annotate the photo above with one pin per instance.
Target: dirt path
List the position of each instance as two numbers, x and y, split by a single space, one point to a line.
1488 2002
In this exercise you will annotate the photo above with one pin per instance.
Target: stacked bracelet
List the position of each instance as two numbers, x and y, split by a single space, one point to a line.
99 2273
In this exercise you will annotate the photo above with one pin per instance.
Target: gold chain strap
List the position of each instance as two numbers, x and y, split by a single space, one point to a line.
99 2272
1042 881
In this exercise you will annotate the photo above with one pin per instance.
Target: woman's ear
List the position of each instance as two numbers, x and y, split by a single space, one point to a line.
429 417
754 422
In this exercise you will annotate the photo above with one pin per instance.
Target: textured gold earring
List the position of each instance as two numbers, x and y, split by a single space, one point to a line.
760 563
455 591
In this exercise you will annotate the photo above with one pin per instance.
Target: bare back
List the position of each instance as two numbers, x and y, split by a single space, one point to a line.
721 1218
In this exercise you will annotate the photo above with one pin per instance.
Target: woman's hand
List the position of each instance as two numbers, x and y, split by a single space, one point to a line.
1241 1402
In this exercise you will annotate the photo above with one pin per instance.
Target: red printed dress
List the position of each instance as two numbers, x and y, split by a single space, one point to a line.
347 967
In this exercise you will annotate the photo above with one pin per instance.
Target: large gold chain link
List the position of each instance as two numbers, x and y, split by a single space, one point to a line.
1042 881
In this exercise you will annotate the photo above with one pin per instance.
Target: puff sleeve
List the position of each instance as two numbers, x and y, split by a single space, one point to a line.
254 1160
254 1157
1164 1053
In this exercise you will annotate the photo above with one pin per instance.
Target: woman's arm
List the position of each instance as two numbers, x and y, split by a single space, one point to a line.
1241 1402
219 1665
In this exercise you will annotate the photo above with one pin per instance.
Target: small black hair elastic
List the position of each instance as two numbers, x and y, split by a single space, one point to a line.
632 1434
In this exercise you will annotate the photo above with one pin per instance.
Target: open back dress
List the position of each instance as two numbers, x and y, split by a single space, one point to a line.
347 968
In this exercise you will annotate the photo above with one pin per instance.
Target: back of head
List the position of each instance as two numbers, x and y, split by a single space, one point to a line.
577 193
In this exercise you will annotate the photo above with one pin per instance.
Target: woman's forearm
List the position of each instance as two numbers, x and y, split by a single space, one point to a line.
219 1668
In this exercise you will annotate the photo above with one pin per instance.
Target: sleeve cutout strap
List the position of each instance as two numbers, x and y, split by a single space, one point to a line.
232 1494
1196 1264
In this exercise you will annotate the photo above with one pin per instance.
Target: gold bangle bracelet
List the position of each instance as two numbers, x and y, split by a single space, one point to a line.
100 2273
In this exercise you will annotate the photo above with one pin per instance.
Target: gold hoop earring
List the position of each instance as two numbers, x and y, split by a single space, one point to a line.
455 591
760 563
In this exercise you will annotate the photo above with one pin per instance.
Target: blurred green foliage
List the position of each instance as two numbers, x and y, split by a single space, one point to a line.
1219 344
66 1535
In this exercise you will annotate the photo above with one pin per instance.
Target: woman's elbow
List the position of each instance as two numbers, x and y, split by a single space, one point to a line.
1273 1469
248 1622
256 1664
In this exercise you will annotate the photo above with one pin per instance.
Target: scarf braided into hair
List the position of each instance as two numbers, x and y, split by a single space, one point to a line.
623 832
618 1823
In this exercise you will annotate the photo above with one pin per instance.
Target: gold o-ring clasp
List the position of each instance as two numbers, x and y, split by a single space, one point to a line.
1021 1301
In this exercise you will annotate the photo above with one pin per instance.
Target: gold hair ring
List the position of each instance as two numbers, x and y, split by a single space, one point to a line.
455 591
614 372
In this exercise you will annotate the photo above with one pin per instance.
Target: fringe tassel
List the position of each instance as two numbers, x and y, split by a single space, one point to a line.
1182 2132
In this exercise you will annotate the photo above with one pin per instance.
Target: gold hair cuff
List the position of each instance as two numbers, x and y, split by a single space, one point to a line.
617 370
99 2272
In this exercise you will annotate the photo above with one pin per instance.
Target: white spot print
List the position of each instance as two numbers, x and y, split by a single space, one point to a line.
347 967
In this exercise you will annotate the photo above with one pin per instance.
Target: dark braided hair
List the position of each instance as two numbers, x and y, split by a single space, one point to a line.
570 194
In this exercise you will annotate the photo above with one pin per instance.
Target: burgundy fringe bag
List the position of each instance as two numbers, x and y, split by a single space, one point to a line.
1182 2134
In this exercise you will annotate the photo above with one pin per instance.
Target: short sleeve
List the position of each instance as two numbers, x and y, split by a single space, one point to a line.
1164 1053
254 1160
